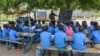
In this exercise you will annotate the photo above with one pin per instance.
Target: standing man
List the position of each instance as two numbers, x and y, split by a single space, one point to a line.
52 16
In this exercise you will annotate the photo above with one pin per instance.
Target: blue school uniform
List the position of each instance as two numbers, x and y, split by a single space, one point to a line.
91 29
5 33
25 29
45 38
38 26
60 39
19 27
1 34
64 26
51 29
13 35
79 39
96 36
56 29
32 28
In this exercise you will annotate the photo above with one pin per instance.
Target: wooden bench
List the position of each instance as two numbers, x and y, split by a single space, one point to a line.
88 50
26 46
39 49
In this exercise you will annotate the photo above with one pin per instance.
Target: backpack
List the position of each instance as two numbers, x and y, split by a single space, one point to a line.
69 31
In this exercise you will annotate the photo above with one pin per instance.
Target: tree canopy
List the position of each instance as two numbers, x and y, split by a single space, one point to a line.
51 4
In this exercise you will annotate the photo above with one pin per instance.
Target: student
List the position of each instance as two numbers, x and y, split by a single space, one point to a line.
56 28
5 31
25 27
39 25
79 39
69 29
76 27
13 36
84 24
0 33
91 27
51 28
32 27
45 39
19 26
95 36
43 23
60 39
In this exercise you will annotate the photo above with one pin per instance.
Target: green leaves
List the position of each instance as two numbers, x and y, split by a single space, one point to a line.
51 4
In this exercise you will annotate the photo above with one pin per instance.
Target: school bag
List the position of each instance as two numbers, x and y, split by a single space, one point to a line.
69 31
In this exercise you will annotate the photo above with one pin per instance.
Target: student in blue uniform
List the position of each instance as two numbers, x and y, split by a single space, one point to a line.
91 27
19 26
76 27
0 33
5 31
13 34
79 39
84 24
45 39
39 25
32 27
25 27
60 39
95 36
51 28
56 28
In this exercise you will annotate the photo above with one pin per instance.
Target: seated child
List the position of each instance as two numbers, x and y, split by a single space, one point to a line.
5 31
60 39
95 36
51 28
45 39
79 39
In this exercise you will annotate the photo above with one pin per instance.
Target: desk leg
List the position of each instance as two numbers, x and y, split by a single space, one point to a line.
69 53
38 52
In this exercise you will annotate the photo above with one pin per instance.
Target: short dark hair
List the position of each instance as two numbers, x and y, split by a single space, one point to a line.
5 26
60 27
91 22
45 28
81 28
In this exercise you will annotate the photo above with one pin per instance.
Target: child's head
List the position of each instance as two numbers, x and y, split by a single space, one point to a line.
26 23
5 26
78 24
96 26
84 24
91 23
43 22
68 23
60 27
71 22
81 28
58 23
45 28
32 23
39 21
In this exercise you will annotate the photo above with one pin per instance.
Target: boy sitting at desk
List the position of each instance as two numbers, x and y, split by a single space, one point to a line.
14 36
95 35
45 39
79 39
60 39
5 31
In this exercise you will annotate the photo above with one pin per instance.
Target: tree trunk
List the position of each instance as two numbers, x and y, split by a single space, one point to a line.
65 15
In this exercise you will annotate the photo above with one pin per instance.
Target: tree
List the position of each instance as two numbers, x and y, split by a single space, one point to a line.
66 6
